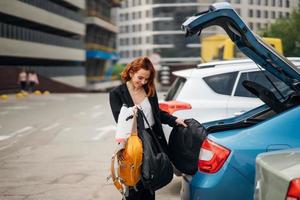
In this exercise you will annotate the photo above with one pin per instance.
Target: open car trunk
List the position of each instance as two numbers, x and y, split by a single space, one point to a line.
223 15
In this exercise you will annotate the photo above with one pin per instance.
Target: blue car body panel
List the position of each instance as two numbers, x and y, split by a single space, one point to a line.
236 178
280 130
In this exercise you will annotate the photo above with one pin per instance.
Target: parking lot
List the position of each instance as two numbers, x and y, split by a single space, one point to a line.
58 147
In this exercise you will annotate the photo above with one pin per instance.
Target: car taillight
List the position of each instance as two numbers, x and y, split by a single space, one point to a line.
294 190
173 106
212 156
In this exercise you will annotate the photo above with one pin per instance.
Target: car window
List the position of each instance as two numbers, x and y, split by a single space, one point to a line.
221 83
175 88
259 78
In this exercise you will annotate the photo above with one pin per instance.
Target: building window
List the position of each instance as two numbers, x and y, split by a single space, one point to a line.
266 2
273 15
250 2
258 25
258 15
273 2
287 3
237 1
148 27
250 13
287 15
258 2
280 3
266 14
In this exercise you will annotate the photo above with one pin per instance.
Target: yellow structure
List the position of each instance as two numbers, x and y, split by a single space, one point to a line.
220 47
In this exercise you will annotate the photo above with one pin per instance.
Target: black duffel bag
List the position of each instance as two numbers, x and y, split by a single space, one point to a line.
157 169
184 146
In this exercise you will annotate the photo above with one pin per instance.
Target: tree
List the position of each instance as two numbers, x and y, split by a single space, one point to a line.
288 30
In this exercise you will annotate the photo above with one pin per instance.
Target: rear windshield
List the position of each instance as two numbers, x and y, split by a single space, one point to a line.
175 88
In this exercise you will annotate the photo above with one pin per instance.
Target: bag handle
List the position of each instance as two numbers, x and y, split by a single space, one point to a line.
151 130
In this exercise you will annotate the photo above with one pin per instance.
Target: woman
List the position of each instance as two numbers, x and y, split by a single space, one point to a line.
138 90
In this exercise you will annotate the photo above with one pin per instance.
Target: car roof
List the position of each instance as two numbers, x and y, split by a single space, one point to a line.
220 67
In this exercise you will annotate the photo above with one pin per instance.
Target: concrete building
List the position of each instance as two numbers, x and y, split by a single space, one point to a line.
153 26
45 35
100 42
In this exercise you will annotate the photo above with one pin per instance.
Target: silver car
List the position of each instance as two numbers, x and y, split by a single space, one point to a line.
278 175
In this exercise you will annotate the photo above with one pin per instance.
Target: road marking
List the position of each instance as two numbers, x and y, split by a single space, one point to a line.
95 115
104 130
6 146
97 107
5 137
80 95
66 129
50 127
27 128
16 107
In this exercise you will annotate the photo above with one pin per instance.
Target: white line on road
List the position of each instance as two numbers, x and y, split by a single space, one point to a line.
16 107
50 127
66 129
97 107
104 130
6 146
5 137
27 128
95 115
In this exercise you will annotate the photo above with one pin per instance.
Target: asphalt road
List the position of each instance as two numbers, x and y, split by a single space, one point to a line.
58 147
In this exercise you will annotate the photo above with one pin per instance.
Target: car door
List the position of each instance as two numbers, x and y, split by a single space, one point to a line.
242 100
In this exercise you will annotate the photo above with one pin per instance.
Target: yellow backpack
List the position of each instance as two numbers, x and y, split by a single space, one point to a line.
128 169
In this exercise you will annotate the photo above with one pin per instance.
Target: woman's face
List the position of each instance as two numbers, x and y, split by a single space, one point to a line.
140 78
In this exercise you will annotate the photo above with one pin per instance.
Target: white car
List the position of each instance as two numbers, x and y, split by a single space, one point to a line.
214 90
278 175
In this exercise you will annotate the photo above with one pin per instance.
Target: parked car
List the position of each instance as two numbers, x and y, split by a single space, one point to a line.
214 90
278 175
226 166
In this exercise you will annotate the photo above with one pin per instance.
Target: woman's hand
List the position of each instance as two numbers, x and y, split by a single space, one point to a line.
180 121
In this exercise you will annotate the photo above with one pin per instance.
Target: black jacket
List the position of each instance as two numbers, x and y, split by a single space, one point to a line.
120 95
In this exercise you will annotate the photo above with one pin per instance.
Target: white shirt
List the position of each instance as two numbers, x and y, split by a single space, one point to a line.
146 107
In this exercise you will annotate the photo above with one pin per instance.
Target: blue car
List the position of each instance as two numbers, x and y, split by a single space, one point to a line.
226 165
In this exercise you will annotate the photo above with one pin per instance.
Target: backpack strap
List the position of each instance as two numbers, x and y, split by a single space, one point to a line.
151 130
115 177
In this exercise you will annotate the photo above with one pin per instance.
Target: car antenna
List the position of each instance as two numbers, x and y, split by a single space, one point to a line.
268 78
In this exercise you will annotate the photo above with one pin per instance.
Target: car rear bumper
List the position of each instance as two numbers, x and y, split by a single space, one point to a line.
228 184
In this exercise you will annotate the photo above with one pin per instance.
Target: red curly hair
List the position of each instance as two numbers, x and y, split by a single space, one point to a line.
136 65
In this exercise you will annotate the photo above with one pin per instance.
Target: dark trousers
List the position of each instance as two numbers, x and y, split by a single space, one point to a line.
141 194
23 85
